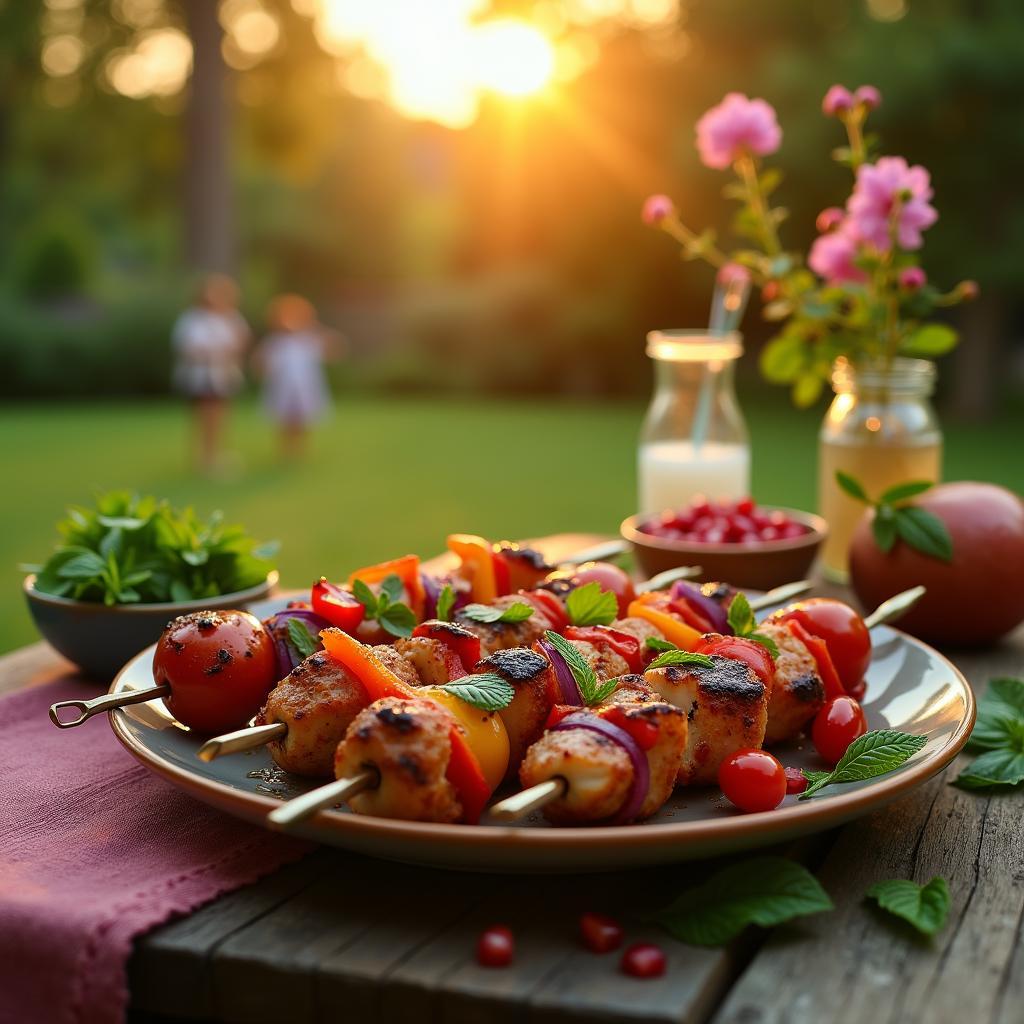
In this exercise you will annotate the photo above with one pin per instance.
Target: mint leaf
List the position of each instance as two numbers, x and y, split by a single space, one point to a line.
591 689
884 529
741 615
676 657
851 486
924 531
392 587
366 597
301 638
397 619
764 891
766 642
929 341
901 492
875 753
655 643
589 605
82 566
518 612
487 691
926 907
1003 767
1000 715
445 602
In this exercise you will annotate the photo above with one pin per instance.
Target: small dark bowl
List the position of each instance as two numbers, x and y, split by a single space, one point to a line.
760 566
100 639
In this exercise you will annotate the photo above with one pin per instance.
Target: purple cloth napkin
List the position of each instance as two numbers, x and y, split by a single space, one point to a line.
95 850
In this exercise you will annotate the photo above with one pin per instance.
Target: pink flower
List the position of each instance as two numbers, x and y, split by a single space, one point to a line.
656 209
838 100
880 188
868 96
736 126
832 257
912 278
730 273
829 219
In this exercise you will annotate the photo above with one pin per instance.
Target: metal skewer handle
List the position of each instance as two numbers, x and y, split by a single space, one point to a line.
331 795
519 805
897 605
779 594
107 702
236 742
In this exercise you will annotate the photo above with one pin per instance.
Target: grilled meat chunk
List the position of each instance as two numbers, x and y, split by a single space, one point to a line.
428 658
498 636
407 741
798 693
727 709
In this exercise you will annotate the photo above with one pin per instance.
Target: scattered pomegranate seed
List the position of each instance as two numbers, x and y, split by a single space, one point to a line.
643 961
796 781
495 947
600 933
725 522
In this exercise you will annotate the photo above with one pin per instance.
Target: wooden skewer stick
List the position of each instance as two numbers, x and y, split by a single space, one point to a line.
107 702
519 805
597 553
896 606
236 742
779 594
331 795
663 579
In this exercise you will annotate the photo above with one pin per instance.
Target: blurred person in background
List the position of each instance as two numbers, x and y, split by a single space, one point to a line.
209 340
291 362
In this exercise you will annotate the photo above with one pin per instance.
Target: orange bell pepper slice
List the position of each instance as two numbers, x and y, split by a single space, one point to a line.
379 681
407 569
477 564
673 629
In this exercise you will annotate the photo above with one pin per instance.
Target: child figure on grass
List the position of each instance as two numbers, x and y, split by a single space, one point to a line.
291 359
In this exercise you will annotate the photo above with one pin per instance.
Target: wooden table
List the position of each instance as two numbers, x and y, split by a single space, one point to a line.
342 937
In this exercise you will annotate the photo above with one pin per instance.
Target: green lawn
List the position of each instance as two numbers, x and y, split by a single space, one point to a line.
388 476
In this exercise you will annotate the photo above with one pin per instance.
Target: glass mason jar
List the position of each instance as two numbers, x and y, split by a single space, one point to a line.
881 428
694 439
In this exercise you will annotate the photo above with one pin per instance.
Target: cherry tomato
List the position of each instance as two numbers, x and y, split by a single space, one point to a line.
749 652
796 781
842 629
643 960
608 577
836 726
220 667
600 933
496 947
336 605
753 780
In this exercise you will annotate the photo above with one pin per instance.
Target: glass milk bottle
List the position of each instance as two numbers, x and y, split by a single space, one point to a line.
694 440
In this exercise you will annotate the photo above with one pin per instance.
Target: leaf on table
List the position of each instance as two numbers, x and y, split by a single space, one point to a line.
926 907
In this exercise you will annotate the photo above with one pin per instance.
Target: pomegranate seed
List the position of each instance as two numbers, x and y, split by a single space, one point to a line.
643 961
796 781
600 933
495 947
745 506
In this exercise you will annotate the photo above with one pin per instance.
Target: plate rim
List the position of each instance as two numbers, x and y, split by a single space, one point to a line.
731 830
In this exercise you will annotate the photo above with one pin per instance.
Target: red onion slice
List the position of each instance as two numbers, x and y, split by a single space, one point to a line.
641 769
277 626
567 688
716 615
431 592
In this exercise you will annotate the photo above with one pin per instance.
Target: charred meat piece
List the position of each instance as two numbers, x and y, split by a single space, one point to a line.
798 693
498 636
428 658
727 709
407 742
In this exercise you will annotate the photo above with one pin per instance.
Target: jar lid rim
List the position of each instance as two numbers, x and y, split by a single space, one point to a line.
697 345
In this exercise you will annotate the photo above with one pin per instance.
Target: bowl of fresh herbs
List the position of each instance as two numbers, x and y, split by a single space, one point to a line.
125 566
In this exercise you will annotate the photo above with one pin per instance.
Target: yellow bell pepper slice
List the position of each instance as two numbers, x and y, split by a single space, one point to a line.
477 565
484 730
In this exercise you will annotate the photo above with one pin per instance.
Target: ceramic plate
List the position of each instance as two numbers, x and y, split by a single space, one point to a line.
911 687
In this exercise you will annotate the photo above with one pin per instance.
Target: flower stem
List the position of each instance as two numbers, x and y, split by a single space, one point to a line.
747 170
858 154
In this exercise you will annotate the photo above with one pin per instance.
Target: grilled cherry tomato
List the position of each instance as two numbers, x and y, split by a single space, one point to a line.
753 780
625 645
749 652
457 638
836 726
337 605
600 933
643 960
842 629
496 947
796 781
220 667
608 577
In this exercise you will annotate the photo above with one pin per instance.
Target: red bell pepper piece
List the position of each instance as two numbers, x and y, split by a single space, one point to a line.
379 681
407 569
457 638
336 605
739 648
819 650
690 615
557 713
502 573
644 732
625 645
549 606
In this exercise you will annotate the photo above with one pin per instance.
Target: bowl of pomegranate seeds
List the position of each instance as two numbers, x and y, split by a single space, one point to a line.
748 545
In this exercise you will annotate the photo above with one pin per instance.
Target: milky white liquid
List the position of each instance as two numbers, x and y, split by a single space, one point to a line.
671 474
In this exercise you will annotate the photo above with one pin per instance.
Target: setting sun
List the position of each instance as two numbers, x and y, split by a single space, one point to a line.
512 57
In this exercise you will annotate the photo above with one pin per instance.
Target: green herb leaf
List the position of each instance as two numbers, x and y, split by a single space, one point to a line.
851 486
765 641
655 643
676 657
765 891
925 532
589 605
487 691
397 619
1000 716
445 601
741 616
875 753
82 567
591 689
901 492
926 907
366 597
518 612
1003 767
929 341
884 529
392 587
301 638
